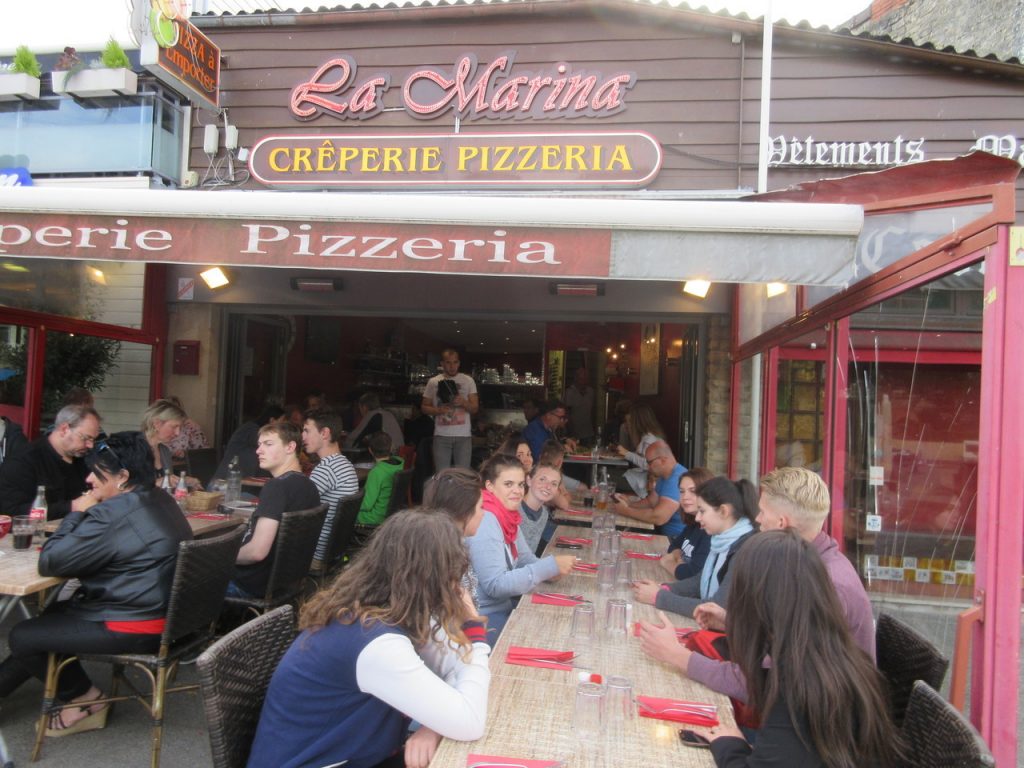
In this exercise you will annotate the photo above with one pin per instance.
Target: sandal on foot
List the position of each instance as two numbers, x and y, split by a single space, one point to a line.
96 719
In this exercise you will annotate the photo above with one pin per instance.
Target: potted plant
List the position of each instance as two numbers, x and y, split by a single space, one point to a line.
20 80
113 76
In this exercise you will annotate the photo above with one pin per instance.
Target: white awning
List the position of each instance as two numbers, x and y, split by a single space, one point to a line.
720 241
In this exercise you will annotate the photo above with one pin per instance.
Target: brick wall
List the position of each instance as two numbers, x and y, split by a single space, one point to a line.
716 426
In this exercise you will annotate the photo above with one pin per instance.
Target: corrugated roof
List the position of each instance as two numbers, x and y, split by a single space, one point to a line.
259 7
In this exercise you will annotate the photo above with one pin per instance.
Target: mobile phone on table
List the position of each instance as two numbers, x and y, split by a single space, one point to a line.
693 739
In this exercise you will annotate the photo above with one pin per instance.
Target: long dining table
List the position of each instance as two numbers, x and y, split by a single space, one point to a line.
19 569
530 709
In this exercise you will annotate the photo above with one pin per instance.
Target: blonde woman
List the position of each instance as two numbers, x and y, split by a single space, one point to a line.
161 423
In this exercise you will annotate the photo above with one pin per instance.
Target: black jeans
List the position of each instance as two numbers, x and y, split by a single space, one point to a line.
57 630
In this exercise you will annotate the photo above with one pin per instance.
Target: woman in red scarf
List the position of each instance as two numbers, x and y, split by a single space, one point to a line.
504 565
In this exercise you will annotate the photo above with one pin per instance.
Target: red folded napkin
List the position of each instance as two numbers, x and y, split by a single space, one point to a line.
676 711
637 536
681 632
492 761
539 657
585 567
573 540
255 480
554 598
206 516
643 555
579 512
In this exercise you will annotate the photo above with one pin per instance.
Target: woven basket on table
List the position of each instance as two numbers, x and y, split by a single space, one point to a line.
203 501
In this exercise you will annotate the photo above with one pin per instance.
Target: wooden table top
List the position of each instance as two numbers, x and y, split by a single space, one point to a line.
530 708
19 570
580 516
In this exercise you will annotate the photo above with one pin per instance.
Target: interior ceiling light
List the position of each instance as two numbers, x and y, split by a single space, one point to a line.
214 278
316 284
698 288
775 289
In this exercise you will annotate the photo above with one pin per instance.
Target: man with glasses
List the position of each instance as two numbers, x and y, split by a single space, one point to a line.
54 461
542 428
660 508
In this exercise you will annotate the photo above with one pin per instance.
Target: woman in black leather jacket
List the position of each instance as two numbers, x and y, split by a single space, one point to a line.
123 549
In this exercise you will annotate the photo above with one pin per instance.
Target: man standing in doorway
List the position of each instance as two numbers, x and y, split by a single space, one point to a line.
451 398
580 399
54 461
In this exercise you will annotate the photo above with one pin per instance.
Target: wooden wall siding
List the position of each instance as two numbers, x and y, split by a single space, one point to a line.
687 93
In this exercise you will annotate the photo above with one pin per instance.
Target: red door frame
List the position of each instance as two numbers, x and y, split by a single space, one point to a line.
154 319
1000 532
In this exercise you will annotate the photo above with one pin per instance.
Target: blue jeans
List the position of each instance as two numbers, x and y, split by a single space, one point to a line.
452 452
236 591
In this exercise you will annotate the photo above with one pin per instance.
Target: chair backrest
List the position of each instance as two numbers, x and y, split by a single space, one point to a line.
201 463
343 527
293 549
400 491
201 577
903 656
234 674
938 736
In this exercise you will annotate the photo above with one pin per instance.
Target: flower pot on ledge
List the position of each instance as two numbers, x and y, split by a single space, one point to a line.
18 85
93 83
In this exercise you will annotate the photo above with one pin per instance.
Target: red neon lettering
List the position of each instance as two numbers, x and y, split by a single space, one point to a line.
306 103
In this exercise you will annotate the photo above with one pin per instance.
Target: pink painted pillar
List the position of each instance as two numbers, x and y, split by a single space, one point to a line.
1000 530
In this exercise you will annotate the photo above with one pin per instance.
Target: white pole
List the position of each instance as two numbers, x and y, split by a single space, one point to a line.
766 99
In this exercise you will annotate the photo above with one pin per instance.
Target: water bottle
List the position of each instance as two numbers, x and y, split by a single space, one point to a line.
181 492
166 484
38 511
234 489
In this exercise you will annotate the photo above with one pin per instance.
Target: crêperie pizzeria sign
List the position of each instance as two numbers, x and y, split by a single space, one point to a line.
469 90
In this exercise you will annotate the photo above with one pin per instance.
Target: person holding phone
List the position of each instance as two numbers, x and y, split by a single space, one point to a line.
821 699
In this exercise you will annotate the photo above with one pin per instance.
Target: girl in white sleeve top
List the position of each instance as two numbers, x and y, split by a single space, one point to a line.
394 639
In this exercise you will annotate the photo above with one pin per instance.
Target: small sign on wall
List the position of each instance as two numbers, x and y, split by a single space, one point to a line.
186 288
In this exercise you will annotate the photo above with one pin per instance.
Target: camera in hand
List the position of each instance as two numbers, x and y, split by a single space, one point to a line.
447 391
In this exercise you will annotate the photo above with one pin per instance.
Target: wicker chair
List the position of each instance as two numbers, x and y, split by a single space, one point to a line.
904 656
343 528
234 674
938 736
201 576
293 554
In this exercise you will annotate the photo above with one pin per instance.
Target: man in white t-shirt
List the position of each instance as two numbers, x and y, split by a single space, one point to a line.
334 476
451 398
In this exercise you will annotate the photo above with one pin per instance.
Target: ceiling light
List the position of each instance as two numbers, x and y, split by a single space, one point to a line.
214 277
698 288
775 289
317 284
97 276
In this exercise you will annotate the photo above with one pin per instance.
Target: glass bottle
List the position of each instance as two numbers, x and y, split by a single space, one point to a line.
234 489
38 511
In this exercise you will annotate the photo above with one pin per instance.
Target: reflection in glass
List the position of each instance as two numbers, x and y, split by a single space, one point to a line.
912 440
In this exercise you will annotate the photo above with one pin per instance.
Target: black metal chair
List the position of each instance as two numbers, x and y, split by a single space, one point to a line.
234 674
294 546
339 539
201 463
201 576
903 656
937 735
400 488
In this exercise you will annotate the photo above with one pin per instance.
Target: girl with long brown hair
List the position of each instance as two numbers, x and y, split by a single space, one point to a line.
394 637
820 697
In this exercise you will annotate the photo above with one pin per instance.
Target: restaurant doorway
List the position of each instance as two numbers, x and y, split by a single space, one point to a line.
256 351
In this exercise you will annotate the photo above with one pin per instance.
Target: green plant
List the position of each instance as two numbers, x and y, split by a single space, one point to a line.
114 57
25 62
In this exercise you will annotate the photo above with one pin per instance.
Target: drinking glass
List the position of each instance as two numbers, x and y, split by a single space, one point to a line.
22 529
588 500
624 576
582 627
588 715
620 708
606 573
616 619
